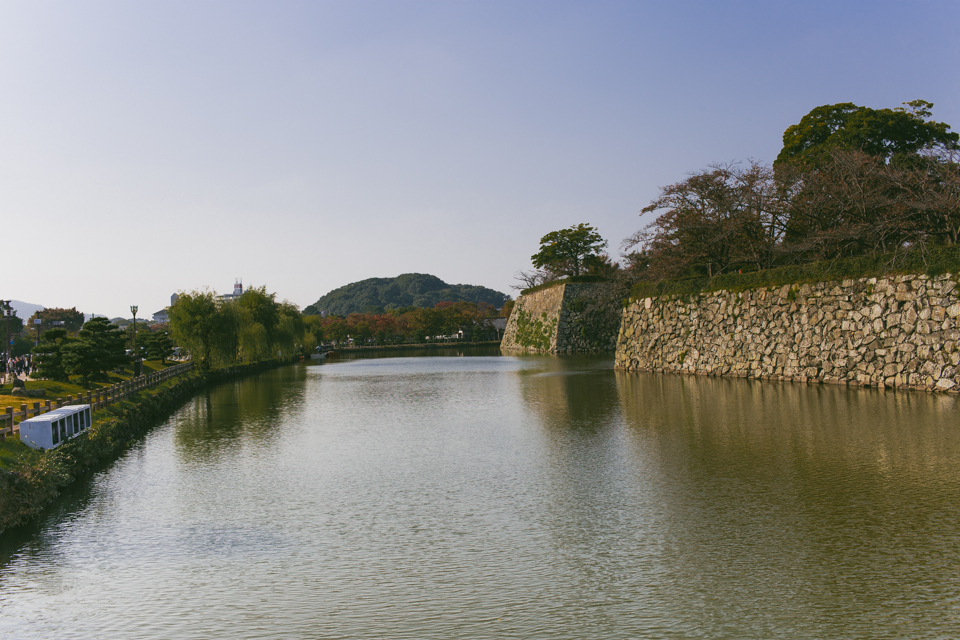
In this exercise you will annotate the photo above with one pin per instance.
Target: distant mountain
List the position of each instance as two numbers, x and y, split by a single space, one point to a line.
376 295
25 309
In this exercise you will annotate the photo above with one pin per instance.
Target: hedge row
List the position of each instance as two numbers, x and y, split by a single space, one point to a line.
934 262
554 283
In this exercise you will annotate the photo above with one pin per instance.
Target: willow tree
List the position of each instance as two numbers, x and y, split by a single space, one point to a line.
206 328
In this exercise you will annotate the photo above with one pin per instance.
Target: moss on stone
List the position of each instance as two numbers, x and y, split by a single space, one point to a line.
534 333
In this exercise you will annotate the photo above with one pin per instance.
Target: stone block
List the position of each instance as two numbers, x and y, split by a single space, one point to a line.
830 332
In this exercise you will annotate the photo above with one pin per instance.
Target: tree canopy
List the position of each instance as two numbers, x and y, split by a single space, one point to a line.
413 324
255 327
69 319
13 322
850 182
728 216
100 348
882 133
570 251
48 354
159 346
204 328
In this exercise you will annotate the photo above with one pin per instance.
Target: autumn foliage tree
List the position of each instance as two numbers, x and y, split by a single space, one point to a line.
412 324
726 217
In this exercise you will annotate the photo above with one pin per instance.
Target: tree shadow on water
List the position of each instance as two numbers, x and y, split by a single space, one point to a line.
245 411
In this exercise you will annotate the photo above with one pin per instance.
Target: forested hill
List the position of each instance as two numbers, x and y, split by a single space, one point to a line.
376 295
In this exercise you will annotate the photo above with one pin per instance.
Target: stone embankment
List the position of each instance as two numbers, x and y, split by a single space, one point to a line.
565 318
898 331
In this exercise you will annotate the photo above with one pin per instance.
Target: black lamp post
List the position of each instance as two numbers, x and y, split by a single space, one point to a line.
133 310
6 343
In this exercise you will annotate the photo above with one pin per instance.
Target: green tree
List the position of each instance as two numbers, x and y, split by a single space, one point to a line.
290 331
207 330
262 306
313 332
12 322
20 346
69 319
569 251
100 348
883 133
254 341
159 346
258 319
48 355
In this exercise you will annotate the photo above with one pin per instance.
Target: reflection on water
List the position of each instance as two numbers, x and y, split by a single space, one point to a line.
244 412
836 504
485 496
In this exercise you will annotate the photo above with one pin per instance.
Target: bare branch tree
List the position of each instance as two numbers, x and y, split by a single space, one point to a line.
535 278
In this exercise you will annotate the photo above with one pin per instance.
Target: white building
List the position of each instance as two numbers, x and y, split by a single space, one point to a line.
237 292
51 429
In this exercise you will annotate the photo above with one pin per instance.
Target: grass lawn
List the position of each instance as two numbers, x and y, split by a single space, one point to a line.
13 453
73 387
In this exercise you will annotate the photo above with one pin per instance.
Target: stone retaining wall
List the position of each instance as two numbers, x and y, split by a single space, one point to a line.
899 331
565 318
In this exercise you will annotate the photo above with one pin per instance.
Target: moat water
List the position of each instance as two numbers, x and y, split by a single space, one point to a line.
474 495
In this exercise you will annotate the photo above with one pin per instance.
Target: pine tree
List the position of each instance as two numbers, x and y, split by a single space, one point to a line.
99 349
48 355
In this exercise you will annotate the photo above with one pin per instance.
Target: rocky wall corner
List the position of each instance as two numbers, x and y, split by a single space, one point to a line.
897 332
564 318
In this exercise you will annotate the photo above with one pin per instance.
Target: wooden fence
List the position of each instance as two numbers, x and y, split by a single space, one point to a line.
98 399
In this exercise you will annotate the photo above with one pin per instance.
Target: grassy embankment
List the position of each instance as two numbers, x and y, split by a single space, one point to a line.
567 280
31 479
934 262
13 453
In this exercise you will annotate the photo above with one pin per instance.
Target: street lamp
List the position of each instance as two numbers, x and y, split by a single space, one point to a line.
6 344
133 310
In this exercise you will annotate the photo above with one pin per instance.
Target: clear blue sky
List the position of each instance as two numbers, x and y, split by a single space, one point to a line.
150 147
